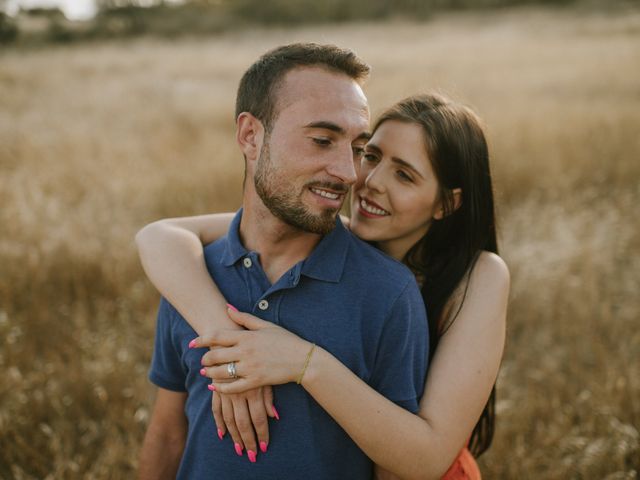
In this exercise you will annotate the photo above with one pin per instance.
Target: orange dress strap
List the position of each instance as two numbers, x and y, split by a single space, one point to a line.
464 467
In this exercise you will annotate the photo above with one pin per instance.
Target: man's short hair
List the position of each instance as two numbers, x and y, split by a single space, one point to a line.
259 84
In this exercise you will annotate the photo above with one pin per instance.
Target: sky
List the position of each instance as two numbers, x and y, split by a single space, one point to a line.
73 9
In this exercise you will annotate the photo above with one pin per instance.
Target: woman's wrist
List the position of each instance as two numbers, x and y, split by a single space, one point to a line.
313 372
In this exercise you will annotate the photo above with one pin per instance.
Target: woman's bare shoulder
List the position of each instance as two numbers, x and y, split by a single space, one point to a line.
486 288
490 267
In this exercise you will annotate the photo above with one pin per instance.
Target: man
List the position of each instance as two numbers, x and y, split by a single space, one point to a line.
301 123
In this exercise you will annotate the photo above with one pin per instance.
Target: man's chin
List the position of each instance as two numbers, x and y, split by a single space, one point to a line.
321 224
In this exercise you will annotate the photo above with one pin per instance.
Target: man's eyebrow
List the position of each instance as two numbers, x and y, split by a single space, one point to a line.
326 126
338 129
363 136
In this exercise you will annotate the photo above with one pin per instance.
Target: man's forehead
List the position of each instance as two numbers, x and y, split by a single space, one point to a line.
323 91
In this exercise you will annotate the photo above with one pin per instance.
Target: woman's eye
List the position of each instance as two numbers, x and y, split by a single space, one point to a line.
404 176
323 142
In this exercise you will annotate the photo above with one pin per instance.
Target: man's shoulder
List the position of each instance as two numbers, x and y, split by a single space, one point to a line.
376 267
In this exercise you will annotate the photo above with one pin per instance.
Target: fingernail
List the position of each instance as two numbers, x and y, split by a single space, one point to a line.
192 343
252 456
232 307
203 372
275 412
238 448
263 447
220 433
212 387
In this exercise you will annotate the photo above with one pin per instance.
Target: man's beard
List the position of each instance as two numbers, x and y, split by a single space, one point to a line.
284 203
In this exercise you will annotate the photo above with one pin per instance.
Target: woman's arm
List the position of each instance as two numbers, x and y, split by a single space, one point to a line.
460 379
172 256
171 252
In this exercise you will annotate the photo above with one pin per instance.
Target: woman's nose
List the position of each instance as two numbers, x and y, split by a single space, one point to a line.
375 180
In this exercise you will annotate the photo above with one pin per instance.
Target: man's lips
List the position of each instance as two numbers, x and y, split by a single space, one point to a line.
331 195
328 194
370 209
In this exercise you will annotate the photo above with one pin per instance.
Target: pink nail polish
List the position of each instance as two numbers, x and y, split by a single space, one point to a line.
220 433
192 343
232 307
203 372
252 456
263 447
238 448
275 412
211 387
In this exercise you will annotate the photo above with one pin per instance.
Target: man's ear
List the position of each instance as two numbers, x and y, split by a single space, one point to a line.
249 135
457 201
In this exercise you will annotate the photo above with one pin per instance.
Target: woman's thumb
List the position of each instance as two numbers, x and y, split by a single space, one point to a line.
246 320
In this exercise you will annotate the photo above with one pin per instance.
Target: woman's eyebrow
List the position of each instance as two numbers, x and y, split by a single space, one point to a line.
376 149
406 165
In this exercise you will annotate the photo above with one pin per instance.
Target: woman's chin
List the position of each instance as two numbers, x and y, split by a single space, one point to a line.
365 232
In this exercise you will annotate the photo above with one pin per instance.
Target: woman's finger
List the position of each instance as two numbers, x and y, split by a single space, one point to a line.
248 321
244 424
221 372
220 338
239 386
216 408
219 356
230 422
267 398
258 414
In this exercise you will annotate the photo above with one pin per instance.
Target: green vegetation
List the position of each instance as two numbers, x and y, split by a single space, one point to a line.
127 18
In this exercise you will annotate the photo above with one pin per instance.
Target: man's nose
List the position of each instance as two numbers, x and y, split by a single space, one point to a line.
342 167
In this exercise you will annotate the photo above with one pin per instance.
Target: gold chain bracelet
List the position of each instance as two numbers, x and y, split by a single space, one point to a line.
306 363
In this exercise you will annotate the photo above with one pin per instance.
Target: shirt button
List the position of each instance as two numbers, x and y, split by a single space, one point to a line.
263 305
247 262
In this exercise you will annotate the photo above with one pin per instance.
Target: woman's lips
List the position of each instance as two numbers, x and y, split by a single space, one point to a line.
370 209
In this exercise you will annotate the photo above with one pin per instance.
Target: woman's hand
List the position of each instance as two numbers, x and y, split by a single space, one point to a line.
264 354
244 416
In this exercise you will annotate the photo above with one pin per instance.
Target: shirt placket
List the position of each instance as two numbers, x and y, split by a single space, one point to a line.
264 297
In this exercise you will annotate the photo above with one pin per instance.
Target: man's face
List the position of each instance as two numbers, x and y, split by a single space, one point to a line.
306 163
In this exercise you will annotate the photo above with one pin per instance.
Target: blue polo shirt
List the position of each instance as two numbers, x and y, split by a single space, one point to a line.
347 297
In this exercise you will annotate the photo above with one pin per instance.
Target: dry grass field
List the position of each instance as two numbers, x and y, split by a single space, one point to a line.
97 140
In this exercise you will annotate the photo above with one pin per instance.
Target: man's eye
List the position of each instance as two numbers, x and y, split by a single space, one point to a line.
324 142
368 157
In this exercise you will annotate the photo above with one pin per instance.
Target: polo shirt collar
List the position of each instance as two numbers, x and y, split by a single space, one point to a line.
234 250
326 262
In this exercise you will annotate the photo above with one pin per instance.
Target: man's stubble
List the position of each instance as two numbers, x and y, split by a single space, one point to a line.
284 202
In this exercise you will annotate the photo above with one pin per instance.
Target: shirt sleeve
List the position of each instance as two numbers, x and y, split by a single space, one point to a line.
166 365
403 352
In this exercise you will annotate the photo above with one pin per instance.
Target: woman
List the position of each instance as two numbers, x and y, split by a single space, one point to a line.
424 197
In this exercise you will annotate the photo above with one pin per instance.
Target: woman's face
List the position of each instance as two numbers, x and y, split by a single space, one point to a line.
396 194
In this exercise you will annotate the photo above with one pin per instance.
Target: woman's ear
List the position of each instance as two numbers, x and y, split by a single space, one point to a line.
457 201
249 135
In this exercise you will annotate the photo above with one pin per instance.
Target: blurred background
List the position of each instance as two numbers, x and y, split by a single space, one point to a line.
115 113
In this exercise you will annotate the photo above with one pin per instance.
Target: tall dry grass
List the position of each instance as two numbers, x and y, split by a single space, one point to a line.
97 140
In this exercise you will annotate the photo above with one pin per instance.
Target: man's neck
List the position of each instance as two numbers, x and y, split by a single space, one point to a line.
280 245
